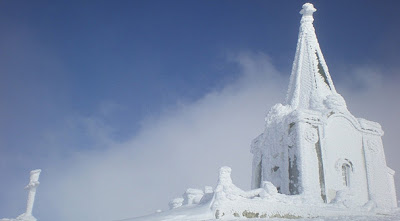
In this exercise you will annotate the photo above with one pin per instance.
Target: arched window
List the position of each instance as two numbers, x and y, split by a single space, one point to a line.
346 169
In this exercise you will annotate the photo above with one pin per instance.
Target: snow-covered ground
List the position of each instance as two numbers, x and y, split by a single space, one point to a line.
228 202
184 215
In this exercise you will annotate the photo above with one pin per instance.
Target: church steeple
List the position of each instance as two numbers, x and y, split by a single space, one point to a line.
310 81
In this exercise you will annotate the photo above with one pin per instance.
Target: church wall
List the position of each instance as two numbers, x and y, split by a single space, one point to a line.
344 162
284 169
257 151
392 187
274 155
307 161
380 185
256 171
272 167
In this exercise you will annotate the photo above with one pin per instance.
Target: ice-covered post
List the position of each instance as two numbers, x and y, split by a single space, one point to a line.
33 184
307 12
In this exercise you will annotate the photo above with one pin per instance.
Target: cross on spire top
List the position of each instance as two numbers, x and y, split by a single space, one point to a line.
307 12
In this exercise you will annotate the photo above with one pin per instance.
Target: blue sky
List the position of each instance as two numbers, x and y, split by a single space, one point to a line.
80 81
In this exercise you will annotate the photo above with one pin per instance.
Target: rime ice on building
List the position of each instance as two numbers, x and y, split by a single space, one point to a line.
313 146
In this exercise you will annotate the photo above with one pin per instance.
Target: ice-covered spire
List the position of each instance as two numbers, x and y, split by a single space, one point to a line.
310 82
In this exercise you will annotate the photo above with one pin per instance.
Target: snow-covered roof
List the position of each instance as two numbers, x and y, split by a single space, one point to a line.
310 81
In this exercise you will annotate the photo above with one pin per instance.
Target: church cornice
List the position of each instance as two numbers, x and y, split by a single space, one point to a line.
322 118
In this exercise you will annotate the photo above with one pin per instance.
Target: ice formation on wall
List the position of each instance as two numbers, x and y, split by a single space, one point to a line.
31 187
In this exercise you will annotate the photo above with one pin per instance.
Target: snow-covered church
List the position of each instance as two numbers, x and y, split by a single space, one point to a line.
314 158
313 145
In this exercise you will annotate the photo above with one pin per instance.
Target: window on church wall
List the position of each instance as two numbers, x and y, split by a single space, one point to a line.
346 169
